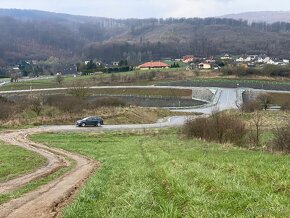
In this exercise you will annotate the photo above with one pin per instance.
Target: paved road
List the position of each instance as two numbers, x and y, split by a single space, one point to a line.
168 122
95 87
224 99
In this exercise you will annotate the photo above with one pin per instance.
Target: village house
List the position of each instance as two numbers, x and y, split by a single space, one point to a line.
153 65
115 63
226 57
188 59
204 66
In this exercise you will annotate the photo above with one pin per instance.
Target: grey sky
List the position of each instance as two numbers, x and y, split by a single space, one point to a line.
149 8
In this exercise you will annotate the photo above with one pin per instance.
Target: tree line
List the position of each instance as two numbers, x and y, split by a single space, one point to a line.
73 39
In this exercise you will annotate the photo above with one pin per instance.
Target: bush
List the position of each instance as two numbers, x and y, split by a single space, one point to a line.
68 104
281 141
250 106
5 111
7 108
59 79
222 128
36 105
108 102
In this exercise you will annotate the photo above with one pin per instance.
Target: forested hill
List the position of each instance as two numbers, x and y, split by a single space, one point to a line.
34 35
262 16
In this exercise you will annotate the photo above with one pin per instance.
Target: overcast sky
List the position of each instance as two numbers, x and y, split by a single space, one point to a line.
149 8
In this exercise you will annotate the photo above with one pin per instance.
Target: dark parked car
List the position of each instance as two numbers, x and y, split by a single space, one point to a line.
90 121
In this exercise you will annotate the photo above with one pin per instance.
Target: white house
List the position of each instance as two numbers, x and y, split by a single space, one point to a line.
240 59
204 66
115 63
226 57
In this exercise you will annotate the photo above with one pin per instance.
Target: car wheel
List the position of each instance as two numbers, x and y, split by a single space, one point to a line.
83 124
98 124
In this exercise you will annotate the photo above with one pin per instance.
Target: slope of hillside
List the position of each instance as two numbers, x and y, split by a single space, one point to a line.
37 35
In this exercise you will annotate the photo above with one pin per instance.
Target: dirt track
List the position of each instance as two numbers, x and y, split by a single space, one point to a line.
47 200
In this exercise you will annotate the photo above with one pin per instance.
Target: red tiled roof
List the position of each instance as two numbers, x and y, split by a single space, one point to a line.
153 64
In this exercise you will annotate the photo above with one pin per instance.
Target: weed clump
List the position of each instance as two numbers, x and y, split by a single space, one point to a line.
281 141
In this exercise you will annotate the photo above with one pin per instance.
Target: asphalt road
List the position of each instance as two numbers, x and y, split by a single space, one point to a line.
168 122
224 99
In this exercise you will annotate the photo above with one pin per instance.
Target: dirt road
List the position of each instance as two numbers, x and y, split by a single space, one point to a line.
47 200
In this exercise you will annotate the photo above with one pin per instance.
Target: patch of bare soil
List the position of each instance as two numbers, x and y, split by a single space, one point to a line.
47 200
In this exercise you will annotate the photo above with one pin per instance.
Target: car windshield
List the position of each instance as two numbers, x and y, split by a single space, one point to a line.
87 118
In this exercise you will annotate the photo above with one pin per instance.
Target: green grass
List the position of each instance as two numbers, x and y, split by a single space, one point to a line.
16 161
33 185
160 174
40 84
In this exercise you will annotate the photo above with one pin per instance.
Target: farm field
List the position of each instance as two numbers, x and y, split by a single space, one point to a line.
158 173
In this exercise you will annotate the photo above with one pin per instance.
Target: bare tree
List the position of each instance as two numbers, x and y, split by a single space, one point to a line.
36 104
264 100
257 122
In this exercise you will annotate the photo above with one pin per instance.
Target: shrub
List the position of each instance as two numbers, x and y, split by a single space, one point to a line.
250 106
59 79
286 106
222 128
264 100
36 105
281 141
6 111
7 108
108 102
68 104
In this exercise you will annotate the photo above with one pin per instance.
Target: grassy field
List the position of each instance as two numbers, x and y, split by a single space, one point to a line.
165 77
15 161
160 174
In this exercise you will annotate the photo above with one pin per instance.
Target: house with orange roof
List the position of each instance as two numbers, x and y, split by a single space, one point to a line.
153 65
